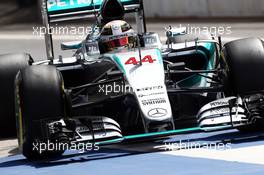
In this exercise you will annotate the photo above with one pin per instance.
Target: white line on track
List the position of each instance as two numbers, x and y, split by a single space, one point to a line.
6 146
252 154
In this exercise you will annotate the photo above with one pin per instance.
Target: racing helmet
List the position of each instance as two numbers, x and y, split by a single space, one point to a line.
117 34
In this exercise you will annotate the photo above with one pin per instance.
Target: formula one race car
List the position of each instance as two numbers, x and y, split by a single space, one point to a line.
121 84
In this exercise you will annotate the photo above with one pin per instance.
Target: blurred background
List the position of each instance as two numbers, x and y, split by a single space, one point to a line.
156 9
205 8
245 17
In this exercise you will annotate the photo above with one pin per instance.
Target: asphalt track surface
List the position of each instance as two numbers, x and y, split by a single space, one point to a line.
242 155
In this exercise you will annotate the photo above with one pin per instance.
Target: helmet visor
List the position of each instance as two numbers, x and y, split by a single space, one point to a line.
120 42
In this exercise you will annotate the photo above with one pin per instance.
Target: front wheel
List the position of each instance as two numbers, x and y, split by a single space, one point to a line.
10 64
243 61
39 96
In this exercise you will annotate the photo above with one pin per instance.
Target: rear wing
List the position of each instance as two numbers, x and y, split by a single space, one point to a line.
55 11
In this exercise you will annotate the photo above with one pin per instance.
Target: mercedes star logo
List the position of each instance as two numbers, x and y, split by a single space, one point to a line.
157 112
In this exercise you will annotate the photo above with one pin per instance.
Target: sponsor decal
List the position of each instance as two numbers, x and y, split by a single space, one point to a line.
150 88
82 129
219 103
152 94
153 101
116 27
55 5
220 111
157 112
146 59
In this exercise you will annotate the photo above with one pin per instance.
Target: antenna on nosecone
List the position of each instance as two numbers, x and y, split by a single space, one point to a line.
95 15
139 50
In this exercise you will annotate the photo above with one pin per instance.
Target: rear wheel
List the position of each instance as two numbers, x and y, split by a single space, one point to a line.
10 64
39 96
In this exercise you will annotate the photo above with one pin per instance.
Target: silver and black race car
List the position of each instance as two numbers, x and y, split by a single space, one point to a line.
190 83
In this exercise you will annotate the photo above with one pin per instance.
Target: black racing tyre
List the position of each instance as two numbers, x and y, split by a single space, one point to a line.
10 64
244 65
39 96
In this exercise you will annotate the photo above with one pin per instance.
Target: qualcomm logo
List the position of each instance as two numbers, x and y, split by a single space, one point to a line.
157 112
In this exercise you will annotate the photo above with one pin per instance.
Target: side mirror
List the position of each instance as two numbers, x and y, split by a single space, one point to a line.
91 48
151 39
72 45
172 32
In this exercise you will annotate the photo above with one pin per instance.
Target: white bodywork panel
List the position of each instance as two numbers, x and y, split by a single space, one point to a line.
147 81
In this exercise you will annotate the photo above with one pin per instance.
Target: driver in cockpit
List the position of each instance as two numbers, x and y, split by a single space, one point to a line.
116 35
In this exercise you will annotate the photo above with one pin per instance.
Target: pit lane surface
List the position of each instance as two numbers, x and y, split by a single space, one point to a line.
230 153
246 156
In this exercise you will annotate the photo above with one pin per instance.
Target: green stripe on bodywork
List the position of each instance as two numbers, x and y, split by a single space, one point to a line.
195 79
146 135
60 5
160 59
164 133
117 60
211 63
179 131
